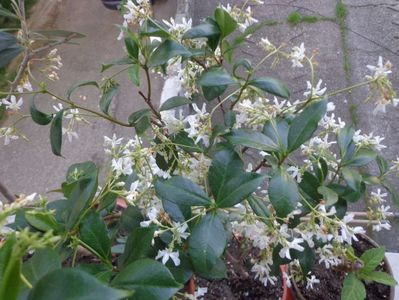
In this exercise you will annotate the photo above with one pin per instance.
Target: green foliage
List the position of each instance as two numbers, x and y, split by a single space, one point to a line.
294 18
56 133
341 11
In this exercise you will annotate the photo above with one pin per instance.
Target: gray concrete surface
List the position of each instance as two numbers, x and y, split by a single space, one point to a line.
27 167
371 29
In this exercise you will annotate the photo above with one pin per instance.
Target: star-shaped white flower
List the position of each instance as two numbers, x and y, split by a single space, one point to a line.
168 254
13 104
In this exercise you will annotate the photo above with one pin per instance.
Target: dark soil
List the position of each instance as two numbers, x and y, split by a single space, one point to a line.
239 285
331 281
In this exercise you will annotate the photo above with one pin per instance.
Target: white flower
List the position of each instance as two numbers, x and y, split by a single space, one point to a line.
201 292
122 165
9 134
316 91
381 69
112 142
311 281
152 216
285 251
381 225
132 193
378 197
297 55
13 104
168 254
70 134
180 231
296 173
58 107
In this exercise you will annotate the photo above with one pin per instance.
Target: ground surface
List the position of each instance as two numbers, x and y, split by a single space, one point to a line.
346 45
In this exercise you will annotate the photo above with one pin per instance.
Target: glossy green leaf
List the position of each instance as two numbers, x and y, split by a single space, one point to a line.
183 141
380 277
79 85
132 48
150 280
94 234
182 191
130 219
226 22
138 245
6 40
73 284
230 118
211 92
329 195
10 265
226 164
8 54
107 96
259 207
353 288
361 158
306 258
345 142
371 258
40 264
141 120
206 29
272 86
283 193
43 221
251 139
154 28
305 124
37 116
238 188
206 244
167 50
174 102
277 131
352 178
216 76
382 164
134 74
119 62
56 133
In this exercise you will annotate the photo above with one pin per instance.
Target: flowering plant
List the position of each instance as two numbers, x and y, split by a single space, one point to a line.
226 156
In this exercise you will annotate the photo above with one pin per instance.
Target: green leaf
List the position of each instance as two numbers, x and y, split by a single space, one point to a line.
353 288
393 192
330 196
154 28
283 193
226 23
167 50
130 219
206 29
6 40
5 13
216 76
306 258
259 207
230 118
211 92
352 178
119 62
382 164
206 244
226 164
10 265
73 284
132 48
107 96
37 116
141 120
43 221
305 124
150 280
183 141
40 264
380 277
79 198
371 259
79 85
94 234
174 102
361 158
56 133
8 54
134 74
251 139
277 130
237 188
138 245
345 142
272 86
181 191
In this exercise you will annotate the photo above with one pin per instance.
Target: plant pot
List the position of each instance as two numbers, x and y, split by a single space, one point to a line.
297 293
287 291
